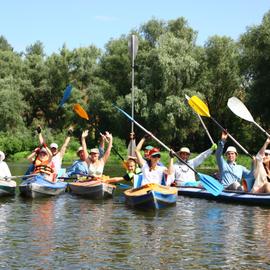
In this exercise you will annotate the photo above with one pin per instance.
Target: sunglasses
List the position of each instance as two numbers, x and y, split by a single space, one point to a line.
266 154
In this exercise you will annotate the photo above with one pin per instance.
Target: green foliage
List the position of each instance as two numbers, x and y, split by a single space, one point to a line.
168 65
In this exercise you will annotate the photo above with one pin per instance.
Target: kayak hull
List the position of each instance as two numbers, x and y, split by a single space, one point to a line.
151 196
37 186
240 197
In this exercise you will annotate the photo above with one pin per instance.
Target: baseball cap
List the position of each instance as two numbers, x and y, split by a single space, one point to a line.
54 145
148 147
184 150
154 152
94 150
231 149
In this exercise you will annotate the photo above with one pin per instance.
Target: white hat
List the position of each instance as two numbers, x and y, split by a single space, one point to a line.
43 149
54 145
231 149
79 149
2 156
184 150
94 150
267 151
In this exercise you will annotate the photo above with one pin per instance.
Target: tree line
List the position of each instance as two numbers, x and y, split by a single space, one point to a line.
168 66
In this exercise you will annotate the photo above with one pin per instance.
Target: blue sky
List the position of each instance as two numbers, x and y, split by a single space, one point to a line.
83 22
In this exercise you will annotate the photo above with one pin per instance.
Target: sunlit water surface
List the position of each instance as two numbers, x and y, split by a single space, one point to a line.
69 232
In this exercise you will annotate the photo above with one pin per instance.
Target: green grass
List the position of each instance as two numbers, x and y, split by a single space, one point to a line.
209 163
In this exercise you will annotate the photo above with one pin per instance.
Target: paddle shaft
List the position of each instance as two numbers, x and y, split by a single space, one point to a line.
206 130
156 139
17 176
263 130
232 138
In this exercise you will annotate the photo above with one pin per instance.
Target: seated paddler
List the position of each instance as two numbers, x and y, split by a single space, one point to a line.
152 172
41 158
183 175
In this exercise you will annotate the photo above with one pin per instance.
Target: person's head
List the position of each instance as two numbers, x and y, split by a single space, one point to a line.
131 165
94 154
154 155
43 154
147 149
2 156
184 153
80 153
266 158
231 153
54 148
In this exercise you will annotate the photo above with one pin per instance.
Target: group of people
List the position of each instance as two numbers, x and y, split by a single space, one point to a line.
48 162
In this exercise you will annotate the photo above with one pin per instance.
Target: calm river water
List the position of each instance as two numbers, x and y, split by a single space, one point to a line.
69 232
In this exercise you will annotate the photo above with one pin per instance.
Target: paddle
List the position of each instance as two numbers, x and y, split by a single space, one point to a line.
201 108
133 49
83 114
203 124
17 176
210 184
66 95
239 108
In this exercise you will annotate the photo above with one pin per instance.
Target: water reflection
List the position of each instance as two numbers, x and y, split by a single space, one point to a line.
70 232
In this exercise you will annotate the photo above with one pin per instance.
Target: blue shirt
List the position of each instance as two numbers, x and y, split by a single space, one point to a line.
78 167
230 172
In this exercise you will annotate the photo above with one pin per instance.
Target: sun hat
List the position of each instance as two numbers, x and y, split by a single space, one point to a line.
43 149
184 150
2 156
148 147
79 149
54 145
154 151
231 149
94 150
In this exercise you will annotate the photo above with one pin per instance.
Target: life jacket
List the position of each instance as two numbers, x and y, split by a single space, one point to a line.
44 166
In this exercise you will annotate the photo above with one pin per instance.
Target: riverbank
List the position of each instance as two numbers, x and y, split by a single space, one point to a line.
210 163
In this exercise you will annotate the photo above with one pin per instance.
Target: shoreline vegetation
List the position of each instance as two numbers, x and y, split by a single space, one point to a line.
70 156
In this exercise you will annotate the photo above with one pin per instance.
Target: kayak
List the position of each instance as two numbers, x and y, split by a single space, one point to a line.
7 187
93 189
228 196
37 186
151 196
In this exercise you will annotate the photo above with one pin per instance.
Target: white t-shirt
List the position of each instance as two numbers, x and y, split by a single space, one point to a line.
57 161
153 176
4 169
183 173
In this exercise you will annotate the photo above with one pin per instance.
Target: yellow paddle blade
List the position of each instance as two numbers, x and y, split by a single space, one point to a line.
80 111
199 106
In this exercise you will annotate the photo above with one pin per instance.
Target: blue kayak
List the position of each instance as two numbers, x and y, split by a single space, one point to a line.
228 196
38 186
151 196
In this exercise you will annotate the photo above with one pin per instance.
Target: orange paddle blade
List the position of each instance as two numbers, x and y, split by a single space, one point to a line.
80 111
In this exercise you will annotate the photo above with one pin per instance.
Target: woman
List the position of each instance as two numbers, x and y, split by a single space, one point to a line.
42 160
93 160
4 169
262 170
151 170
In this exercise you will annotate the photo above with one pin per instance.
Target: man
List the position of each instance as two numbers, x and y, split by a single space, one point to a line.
183 175
231 173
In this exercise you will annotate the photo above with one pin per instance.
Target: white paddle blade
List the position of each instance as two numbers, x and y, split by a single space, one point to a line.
238 108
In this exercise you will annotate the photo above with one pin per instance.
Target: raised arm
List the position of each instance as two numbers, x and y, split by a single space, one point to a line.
140 159
84 146
106 155
262 150
67 140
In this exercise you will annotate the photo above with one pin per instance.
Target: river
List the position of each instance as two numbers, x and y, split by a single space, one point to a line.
69 232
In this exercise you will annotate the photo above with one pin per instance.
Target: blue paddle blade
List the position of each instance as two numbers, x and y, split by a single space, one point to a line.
211 184
66 95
